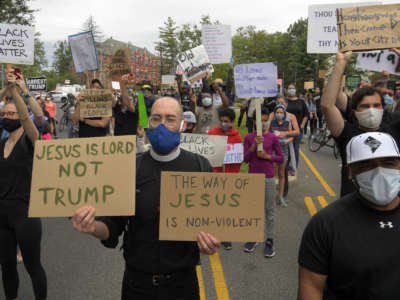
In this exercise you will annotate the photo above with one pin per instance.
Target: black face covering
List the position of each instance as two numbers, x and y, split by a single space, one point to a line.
189 130
11 125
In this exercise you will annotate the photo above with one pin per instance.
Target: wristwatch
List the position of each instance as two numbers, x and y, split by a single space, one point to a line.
26 97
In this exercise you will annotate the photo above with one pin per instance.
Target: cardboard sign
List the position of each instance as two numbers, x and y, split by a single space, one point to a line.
121 63
369 27
322 74
322 34
84 53
115 85
256 80
96 103
195 63
218 42
70 173
16 44
168 79
378 61
212 147
228 206
308 85
37 83
353 81
234 154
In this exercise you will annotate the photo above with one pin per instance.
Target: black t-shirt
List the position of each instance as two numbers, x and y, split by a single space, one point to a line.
126 122
143 251
86 130
298 108
16 172
357 247
390 124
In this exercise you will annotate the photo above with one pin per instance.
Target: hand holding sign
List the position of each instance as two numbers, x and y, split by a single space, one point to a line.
207 243
83 219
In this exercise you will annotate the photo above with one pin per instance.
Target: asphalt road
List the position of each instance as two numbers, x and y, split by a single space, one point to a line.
78 267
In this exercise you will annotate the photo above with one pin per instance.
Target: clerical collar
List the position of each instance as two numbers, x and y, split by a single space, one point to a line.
165 158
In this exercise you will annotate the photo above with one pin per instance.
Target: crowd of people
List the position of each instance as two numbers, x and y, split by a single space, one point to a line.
365 127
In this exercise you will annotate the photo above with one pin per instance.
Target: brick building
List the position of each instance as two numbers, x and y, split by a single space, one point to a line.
144 65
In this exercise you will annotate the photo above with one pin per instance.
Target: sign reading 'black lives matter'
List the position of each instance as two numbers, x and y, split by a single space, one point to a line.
37 83
16 44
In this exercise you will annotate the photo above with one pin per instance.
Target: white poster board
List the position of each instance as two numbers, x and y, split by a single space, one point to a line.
378 61
195 63
234 154
212 147
322 34
256 80
168 79
218 42
115 85
83 49
17 44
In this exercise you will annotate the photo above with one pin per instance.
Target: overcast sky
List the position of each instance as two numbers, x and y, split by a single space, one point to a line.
138 21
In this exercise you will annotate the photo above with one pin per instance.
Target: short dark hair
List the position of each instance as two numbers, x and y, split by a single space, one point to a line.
227 112
359 95
380 83
97 81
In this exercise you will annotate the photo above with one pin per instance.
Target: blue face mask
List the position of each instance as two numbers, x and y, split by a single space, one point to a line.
388 101
162 139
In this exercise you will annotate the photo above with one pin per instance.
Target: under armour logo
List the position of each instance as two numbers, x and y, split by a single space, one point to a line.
386 225
374 144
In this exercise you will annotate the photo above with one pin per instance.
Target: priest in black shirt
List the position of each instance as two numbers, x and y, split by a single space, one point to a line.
350 250
154 269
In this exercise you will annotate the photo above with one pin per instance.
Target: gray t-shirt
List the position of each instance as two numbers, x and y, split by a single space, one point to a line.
207 119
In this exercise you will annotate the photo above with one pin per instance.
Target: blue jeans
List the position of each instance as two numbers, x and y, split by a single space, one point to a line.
296 144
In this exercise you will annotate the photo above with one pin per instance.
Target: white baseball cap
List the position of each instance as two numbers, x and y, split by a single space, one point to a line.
371 145
189 117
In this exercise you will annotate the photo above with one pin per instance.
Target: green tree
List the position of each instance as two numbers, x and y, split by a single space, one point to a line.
168 44
91 25
16 12
39 59
62 58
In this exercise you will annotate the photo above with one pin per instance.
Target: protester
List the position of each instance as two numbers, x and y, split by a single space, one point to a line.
281 126
250 107
382 87
126 117
263 162
154 268
51 108
191 121
349 249
148 98
312 117
90 127
297 107
317 101
16 161
227 119
367 114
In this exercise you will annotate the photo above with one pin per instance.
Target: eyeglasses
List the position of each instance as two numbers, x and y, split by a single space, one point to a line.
8 113
170 121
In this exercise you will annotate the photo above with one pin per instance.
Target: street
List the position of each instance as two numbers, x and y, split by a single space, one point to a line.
79 267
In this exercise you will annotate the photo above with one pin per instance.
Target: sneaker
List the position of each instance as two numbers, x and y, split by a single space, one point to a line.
282 202
269 248
250 247
227 245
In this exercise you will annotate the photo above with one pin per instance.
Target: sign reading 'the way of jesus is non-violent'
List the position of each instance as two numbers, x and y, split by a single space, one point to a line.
228 206
70 173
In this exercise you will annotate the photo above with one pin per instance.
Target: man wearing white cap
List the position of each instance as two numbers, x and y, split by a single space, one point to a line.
191 121
350 250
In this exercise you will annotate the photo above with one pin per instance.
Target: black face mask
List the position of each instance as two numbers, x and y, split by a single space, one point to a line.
189 130
11 125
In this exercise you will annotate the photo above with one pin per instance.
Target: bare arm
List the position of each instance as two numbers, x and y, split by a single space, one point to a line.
225 100
295 125
77 112
332 114
84 221
125 95
311 285
34 105
341 100
97 123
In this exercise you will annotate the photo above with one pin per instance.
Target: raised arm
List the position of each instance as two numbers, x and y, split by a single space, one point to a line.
33 104
125 94
77 112
331 112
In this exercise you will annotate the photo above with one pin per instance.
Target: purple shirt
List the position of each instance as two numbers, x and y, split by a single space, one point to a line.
271 147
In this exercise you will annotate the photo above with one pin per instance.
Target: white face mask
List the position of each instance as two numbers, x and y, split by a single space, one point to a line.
379 185
291 92
369 118
207 101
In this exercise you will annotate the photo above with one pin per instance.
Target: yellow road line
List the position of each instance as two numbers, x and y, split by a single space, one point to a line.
310 205
319 177
201 283
219 279
322 201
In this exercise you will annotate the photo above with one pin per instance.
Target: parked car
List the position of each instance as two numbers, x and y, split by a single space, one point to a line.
59 97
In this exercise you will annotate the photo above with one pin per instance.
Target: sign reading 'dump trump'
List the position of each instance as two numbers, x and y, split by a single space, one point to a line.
228 206
70 173
16 44
369 27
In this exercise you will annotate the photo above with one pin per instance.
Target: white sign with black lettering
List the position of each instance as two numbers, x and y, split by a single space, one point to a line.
37 83
322 34
378 61
234 154
218 42
84 53
195 63
16 44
